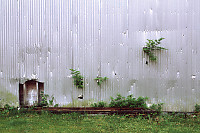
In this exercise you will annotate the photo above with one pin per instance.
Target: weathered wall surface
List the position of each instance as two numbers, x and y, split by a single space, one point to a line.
43 39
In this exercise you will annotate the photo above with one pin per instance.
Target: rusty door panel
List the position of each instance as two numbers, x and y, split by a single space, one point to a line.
31 95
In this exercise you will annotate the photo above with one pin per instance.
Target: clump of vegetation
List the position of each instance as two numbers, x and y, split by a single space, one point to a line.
157 107
78 79
46 103
152 45
197 108
130 102
100 80
99 104
8 110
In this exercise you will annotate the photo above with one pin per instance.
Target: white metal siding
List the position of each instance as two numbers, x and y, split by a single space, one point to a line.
43 39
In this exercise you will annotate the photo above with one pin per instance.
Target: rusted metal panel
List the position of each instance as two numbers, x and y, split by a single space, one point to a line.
31 93
43 39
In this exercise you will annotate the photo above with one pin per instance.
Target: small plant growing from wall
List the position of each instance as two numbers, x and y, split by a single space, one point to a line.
100 80
78 79
152 45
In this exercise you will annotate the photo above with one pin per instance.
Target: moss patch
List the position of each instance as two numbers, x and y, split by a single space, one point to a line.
8 98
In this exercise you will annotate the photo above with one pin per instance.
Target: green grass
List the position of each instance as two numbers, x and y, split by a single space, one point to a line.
75 123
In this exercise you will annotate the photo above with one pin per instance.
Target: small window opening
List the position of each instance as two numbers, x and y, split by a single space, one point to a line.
30 93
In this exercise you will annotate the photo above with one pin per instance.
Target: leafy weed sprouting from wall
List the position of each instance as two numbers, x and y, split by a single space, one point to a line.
78 79
151 46
100 80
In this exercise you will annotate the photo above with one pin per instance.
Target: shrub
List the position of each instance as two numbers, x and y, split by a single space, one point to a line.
119 101
130 102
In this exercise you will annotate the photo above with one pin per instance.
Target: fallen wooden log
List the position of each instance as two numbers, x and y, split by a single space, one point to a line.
91 110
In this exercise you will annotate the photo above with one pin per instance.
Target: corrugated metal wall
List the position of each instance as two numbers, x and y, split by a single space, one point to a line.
43 39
